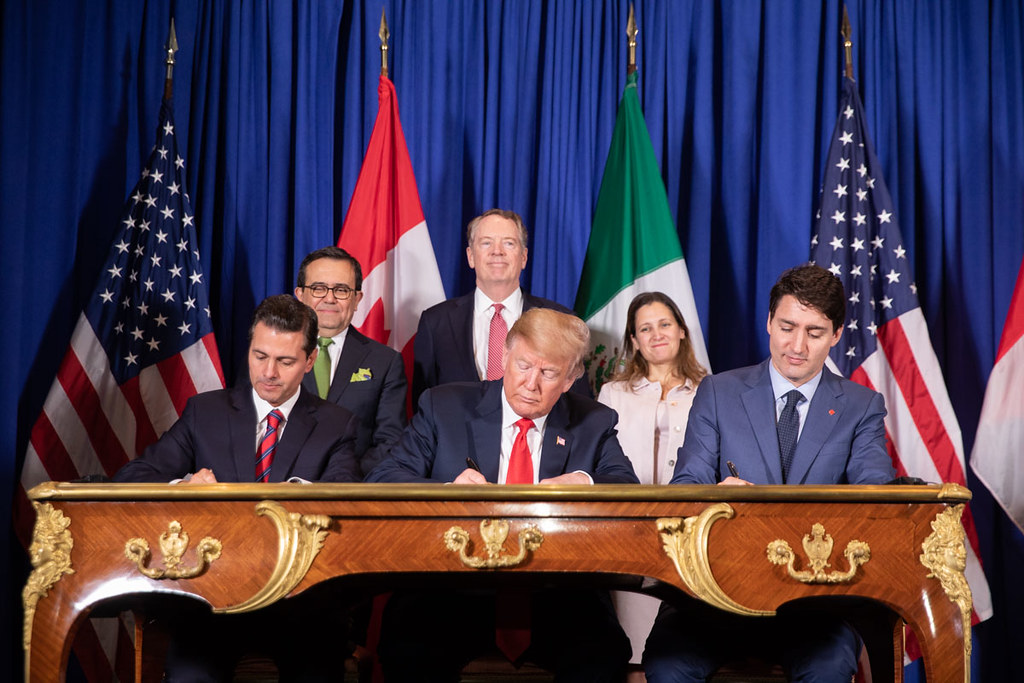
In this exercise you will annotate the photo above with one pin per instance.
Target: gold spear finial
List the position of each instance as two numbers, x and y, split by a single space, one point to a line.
631 32
384 35
848 43
172 47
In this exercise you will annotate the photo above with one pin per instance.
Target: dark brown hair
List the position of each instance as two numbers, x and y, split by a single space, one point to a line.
812 286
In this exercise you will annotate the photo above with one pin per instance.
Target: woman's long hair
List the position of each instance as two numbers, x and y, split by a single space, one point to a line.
633 366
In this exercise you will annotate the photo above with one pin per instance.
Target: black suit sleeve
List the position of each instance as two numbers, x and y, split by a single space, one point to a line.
172 456
424 367
390 417
341 463
412 458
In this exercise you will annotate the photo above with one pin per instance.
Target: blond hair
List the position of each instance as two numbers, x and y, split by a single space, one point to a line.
553 334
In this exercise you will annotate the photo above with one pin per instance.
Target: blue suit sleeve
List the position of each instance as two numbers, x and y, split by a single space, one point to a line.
412 458
697 461
869 459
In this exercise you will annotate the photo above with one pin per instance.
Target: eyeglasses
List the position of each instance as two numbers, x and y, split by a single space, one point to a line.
319 290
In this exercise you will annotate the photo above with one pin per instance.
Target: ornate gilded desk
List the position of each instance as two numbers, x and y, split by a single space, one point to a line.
241 547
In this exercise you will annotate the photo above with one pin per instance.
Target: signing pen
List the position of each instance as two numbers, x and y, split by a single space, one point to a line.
732 469
472 465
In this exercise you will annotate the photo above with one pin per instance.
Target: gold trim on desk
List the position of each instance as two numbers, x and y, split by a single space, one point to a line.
300 538
945 556
686 543
50 555
700 493
818 547
494 532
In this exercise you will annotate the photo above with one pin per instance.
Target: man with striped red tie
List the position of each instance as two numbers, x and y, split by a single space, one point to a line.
268 430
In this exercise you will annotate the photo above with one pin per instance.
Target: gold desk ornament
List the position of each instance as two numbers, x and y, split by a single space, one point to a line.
50 555
818 546
945 557
300 538
686 543
173 544
494 533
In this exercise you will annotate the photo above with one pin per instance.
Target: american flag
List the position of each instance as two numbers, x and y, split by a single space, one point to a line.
885 343
143 344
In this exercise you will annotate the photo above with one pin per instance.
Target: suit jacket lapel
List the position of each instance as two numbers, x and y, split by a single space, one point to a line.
557 441
485 432
759 402
297 429
352 356
822 415
242 433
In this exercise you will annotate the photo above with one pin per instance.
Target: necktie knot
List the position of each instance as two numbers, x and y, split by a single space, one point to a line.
274 418
793 398
525 424
324 342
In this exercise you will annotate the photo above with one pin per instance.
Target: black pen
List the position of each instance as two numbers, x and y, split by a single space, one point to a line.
472 465
732 469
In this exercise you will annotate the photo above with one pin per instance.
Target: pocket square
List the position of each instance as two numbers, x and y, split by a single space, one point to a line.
361 375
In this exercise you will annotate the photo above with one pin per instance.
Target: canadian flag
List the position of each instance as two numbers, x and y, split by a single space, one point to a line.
386 232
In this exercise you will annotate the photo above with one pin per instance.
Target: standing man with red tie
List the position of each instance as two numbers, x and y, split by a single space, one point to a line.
524 428
462 339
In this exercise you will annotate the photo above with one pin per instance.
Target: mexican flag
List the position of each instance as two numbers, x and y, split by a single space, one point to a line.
633 245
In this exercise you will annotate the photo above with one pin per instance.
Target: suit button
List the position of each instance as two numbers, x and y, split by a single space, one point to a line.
679 429
671 463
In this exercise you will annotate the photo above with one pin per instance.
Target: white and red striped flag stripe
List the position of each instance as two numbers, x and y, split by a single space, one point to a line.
885 343
386 232
143 345
999 443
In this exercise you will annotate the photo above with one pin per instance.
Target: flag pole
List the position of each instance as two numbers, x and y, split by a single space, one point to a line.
631 31
384 34
848 43
172 47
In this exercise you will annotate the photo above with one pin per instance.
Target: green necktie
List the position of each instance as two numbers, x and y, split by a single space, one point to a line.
322 367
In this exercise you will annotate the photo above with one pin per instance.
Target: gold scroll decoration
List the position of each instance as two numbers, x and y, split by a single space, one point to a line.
818 547
686 543
50 554
300 538
173 544
494 532
945 556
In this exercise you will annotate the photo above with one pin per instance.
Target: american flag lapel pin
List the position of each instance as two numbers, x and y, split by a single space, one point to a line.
559 441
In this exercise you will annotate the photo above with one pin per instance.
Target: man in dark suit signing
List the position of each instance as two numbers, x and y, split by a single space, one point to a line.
220 434
524 428
461 339
787 420
271 431
352 370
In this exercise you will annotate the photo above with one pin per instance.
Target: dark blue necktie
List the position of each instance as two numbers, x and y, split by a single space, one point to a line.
789 428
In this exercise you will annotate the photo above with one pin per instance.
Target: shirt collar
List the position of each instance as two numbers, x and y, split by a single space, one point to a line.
509 416
481 302
263 408
781 386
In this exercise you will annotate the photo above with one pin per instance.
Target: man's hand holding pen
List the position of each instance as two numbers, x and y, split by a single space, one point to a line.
470 475
734 479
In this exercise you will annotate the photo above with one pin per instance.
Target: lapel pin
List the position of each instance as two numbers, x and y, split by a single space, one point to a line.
831 412
559 441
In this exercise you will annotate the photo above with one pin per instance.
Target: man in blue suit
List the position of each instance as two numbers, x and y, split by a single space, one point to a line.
352 370
524 428
451 342
788 420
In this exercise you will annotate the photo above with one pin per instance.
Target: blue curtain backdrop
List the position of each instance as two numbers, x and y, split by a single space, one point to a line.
512 104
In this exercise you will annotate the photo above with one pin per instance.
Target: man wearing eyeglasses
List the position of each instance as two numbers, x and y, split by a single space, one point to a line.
352 370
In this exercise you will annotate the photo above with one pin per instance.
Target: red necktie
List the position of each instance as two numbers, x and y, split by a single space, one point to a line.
496 343
520 462
512 608
268 444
